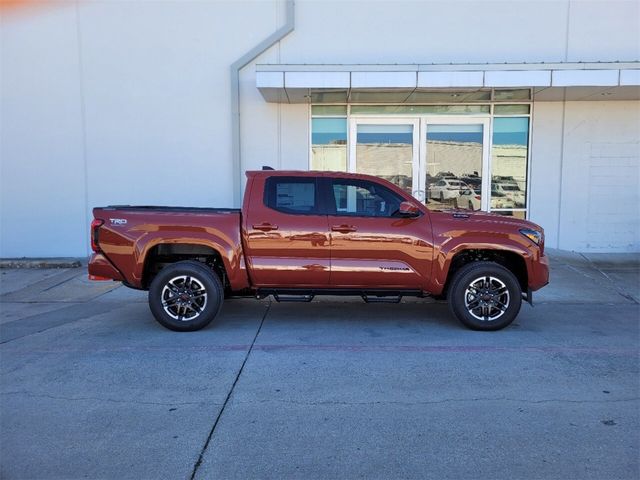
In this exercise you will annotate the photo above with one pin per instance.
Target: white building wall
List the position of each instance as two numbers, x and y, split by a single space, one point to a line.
585 174
117 102
600 202
545 181
42 169
128 101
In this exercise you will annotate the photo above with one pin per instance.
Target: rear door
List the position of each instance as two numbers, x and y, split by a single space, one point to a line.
370 245
286 233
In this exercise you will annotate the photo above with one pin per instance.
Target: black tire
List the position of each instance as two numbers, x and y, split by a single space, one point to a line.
193 294
441 197
485 296
470 205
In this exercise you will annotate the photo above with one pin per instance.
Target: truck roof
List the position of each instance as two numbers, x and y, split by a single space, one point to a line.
309 173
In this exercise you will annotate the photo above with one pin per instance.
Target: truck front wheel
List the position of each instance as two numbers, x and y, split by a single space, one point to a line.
485 296
185 296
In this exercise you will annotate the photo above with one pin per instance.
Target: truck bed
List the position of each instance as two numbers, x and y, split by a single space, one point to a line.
156 208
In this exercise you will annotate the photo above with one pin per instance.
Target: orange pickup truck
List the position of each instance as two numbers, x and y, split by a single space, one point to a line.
301 234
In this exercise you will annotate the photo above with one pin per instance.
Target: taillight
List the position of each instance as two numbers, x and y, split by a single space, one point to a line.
477 197
95 226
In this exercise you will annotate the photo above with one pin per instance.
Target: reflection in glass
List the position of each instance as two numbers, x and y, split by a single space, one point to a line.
520 94
419 109
386 151
509 162
454 166
511 109
329 110
329 144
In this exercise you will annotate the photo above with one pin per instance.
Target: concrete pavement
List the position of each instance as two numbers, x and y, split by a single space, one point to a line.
92 387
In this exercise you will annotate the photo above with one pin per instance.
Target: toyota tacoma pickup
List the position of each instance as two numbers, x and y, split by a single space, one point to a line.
301 234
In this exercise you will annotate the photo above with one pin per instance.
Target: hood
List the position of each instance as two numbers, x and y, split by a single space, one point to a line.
481 217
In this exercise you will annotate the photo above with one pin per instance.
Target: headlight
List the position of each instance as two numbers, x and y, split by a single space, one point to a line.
533 235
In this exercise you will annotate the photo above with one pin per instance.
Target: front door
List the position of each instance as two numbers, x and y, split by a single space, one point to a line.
371 247
287 236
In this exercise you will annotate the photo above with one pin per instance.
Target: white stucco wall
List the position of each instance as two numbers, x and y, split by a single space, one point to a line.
585 174
128 102
600 203
117 102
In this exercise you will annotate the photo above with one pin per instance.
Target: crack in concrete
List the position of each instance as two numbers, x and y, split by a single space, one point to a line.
108 400
621 291
196 465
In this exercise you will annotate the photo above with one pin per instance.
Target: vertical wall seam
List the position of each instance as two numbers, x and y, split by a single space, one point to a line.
236 153
83 128
563 129
279 130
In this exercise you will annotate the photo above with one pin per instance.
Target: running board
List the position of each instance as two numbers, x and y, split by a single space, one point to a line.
377 299
292 298
308 294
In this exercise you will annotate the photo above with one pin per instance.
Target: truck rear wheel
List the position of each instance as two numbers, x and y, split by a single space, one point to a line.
185 296
485 296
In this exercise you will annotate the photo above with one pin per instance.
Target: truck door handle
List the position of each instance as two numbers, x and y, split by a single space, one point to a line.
343 228
265 227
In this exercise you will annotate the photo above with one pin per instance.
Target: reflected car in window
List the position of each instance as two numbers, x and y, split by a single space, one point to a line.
509 190
470 199
446 189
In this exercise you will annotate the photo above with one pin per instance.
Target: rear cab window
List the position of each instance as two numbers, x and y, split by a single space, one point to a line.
292 195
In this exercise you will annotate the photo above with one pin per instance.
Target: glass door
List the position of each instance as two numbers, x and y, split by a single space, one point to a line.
387 148
455 163
442 161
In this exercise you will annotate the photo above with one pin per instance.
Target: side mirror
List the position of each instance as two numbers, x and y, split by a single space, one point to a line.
408 210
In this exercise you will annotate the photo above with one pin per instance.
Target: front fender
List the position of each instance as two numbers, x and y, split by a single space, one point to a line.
449 249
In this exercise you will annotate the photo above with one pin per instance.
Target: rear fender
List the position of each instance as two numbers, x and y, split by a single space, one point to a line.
229 250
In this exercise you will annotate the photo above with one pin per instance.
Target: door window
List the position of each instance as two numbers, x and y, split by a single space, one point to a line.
364 199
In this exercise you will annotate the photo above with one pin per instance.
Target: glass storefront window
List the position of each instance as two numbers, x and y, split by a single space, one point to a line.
329 110
511 109
512 95
419 109
445 169
329 144
463 96
509 163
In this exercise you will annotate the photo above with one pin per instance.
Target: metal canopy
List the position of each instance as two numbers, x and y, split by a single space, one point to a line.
468 83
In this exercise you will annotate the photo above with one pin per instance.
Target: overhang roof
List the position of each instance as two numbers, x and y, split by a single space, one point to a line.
403 83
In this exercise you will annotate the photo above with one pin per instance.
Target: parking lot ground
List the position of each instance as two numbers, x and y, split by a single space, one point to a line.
92 387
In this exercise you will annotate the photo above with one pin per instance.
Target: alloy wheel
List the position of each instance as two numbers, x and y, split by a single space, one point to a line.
184 298
486 298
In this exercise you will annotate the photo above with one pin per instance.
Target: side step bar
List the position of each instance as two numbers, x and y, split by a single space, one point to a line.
307 295
292 298
378 299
